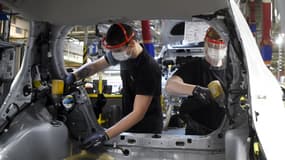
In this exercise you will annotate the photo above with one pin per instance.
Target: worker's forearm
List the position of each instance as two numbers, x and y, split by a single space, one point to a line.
85 71
124 124
179 88
90 68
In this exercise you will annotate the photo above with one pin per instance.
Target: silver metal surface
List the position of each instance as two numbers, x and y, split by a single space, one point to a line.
176 147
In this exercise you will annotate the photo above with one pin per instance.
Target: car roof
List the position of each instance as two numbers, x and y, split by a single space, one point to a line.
75 12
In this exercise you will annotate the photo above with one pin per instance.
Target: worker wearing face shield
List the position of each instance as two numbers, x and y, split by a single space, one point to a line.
141 79
200 112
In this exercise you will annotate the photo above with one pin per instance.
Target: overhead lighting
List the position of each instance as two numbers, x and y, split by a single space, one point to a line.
279 39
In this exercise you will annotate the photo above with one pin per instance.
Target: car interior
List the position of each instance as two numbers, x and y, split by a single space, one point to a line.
39 111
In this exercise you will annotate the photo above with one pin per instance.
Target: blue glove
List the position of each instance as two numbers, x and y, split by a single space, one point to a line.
202 94
69 79
95 140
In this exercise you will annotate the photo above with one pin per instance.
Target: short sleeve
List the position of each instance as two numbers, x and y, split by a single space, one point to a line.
183 71
189 73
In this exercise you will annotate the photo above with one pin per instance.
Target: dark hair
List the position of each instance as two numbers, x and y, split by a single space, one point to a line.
212 34
115 34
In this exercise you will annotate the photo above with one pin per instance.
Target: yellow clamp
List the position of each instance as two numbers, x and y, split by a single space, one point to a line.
101 120
243 101
37 83
57 87
256 148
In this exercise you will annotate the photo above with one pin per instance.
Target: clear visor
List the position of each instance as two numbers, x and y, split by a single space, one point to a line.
217 44
127 39
119 49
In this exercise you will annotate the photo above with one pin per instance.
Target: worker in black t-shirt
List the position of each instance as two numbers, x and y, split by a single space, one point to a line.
141 77
199 111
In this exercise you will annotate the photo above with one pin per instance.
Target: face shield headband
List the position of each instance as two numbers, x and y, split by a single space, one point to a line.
216 44
127 39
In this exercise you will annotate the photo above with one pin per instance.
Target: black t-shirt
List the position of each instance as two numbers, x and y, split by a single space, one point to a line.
200 72
142 76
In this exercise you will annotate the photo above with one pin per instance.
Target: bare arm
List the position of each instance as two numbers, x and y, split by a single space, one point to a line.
89 69
141 105
176 86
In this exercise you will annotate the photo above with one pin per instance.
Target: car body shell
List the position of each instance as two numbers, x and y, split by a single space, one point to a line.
264 116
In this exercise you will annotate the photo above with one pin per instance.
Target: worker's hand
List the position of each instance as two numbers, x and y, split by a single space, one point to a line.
202 94
95 140
217 92
69 79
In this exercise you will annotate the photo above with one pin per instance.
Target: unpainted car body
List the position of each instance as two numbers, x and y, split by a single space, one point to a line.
31 128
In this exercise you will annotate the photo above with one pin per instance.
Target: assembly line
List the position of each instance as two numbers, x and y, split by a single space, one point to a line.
143 80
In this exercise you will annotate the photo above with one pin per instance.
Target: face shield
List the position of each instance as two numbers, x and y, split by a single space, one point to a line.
121 54
119 51
216 50
216 44
119 45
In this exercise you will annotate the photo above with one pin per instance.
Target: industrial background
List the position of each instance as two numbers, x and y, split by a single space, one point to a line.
81 44
262 16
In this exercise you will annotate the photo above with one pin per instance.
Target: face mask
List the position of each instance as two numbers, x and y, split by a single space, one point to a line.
121 56
216 54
